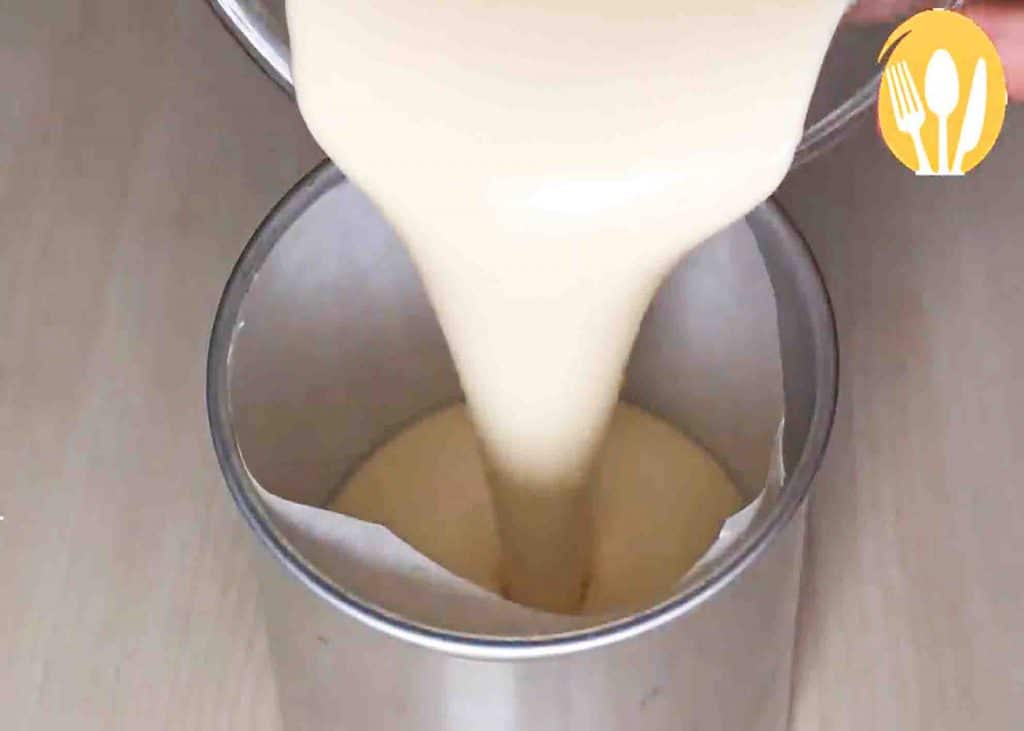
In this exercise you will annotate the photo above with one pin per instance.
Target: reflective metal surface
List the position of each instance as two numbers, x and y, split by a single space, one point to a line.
261 29
324 344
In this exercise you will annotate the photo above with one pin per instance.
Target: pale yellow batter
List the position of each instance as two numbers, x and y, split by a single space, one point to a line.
659 503
547 162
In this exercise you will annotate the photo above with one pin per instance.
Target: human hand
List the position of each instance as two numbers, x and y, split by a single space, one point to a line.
1002 20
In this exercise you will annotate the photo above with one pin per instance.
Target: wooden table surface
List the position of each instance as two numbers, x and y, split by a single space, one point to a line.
139 147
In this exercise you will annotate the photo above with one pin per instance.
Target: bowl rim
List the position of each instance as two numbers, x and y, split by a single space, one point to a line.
243 486
271 52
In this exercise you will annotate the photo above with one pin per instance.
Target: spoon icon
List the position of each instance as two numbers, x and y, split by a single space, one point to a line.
942 94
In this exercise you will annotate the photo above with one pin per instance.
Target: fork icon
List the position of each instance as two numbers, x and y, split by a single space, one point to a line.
908 110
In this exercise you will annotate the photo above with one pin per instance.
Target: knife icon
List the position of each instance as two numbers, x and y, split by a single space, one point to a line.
974 117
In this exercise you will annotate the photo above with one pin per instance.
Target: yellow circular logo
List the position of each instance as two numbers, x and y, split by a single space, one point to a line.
943 93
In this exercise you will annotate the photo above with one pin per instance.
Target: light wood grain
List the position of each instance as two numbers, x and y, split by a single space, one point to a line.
138 149
913 611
